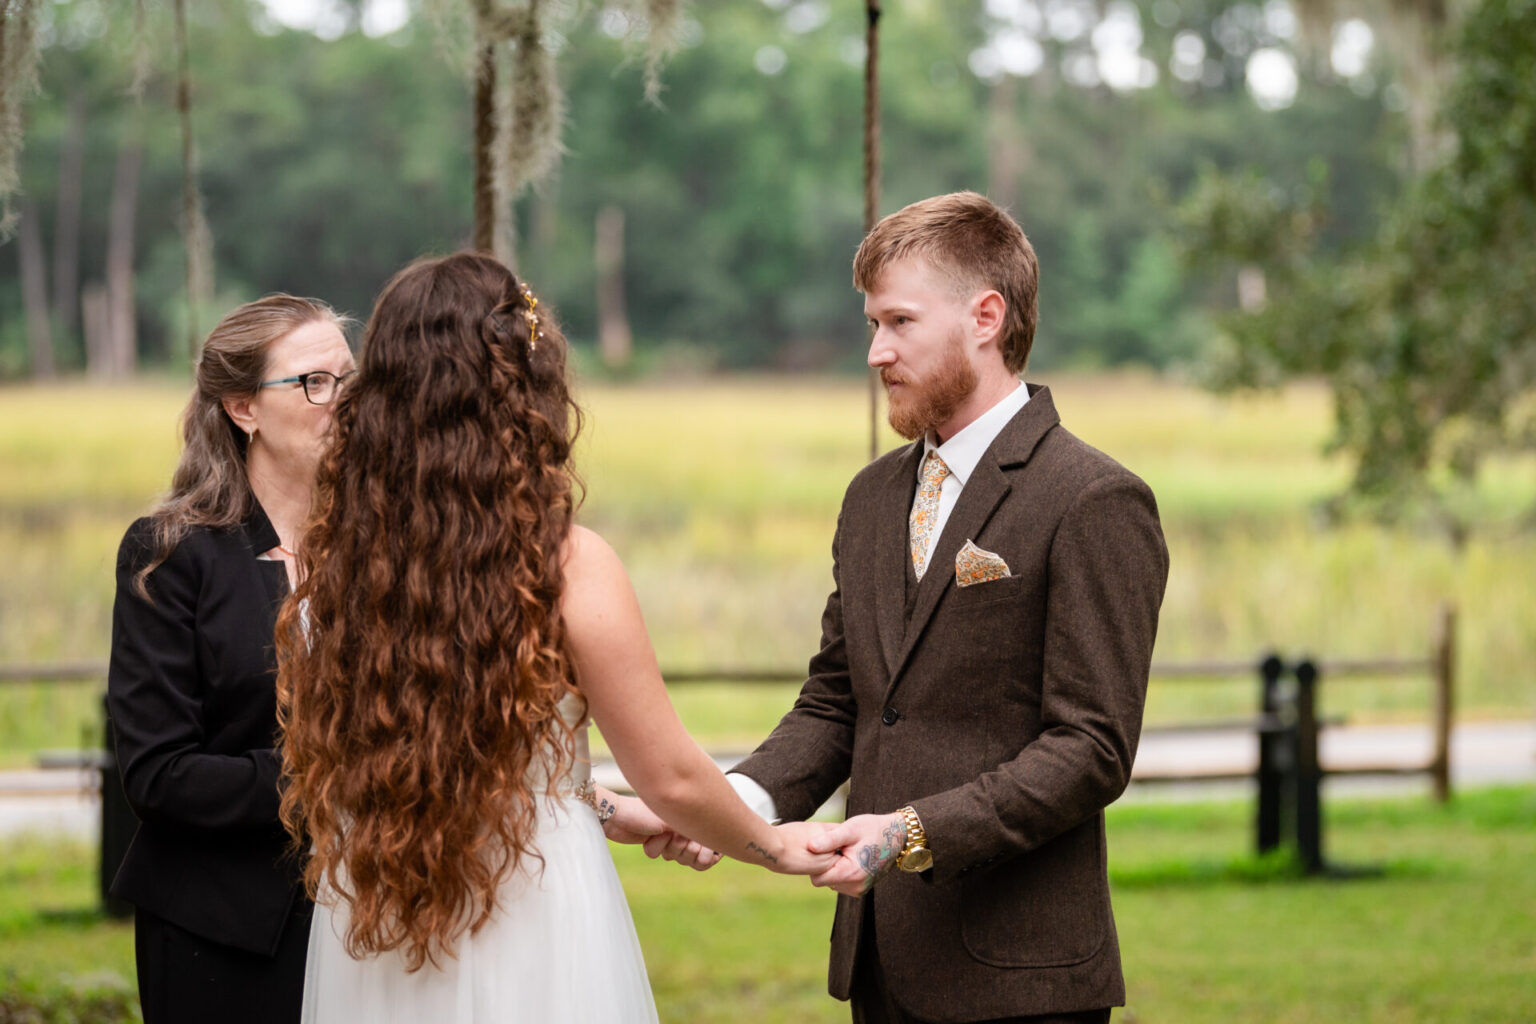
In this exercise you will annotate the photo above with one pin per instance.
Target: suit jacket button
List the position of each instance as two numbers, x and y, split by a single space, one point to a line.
889 716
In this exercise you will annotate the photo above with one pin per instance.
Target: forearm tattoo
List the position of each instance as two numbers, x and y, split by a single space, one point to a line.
876 858
762 853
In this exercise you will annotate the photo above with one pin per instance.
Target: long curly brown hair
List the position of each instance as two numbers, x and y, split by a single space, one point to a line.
422 658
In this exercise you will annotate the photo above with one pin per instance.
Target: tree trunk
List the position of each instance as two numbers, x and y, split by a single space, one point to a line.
96 323
546 218
1005 155
485 150
196 237
504 225
66 225
122 335
614 339
34 293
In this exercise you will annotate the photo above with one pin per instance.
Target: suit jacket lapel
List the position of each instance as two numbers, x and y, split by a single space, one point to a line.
892 553
983 493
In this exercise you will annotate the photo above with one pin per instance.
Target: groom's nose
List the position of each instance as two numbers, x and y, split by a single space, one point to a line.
881 353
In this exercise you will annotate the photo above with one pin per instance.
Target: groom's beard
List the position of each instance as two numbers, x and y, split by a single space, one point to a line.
922 405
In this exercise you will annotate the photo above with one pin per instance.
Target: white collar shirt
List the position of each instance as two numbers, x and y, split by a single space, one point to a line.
962 452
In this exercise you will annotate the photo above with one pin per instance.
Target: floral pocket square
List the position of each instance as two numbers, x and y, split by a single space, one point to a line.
973 565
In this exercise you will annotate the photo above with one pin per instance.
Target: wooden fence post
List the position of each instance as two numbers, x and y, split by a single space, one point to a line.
1307 772
1443 661
1270 754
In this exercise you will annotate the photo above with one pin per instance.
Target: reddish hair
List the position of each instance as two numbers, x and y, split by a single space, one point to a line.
973 243
424 693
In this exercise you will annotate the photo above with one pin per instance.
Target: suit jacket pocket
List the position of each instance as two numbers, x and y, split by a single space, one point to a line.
1002 589
1046 908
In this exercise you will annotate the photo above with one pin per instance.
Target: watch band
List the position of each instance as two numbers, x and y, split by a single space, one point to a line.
916 835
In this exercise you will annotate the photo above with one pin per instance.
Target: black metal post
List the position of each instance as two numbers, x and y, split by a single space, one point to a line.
1271 754
1308 773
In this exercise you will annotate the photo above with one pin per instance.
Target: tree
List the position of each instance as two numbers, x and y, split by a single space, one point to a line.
18 78
517 136
327 163
1426 333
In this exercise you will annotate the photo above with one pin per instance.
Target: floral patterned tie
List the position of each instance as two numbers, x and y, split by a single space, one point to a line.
925 511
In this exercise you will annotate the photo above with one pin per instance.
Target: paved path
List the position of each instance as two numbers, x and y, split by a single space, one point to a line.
1482 754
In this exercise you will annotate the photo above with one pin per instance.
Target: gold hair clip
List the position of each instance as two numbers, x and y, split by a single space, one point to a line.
532 318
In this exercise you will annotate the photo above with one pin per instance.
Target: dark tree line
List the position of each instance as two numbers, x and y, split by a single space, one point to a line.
720 223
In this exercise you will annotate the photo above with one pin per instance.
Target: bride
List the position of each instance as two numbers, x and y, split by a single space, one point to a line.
451 635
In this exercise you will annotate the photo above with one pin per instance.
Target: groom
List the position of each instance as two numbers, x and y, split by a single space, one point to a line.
984 656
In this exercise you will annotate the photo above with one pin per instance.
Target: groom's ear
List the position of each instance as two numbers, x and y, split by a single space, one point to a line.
988 310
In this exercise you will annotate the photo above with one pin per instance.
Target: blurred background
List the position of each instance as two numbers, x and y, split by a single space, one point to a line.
1287 258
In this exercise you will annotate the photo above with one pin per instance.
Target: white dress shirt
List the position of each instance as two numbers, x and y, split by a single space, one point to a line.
960 453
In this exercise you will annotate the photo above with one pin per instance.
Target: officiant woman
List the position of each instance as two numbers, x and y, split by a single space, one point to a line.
221 921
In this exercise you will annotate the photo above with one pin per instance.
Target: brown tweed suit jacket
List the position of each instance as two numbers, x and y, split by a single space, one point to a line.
1007 713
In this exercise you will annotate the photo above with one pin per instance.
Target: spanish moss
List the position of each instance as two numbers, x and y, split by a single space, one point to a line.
18 80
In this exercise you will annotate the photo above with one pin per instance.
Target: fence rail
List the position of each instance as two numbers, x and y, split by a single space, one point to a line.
1438 665
1286 725
1205 671
71 672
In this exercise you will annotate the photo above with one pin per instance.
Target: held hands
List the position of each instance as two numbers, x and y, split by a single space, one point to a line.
801 854
865 846
792 856
634 822
669 845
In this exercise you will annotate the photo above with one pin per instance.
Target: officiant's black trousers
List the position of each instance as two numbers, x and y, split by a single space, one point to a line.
872 1002
187 979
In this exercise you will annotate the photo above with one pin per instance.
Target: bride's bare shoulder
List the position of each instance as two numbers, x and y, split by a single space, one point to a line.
598 603
588 560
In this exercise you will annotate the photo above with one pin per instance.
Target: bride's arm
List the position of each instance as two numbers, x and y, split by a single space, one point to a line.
617 671
634 823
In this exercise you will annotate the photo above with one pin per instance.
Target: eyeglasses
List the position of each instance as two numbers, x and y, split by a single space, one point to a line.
320 386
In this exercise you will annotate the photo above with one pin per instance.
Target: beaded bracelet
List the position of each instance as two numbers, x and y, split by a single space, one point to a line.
587 793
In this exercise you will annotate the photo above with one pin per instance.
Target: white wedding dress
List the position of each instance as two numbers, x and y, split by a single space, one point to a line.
560 949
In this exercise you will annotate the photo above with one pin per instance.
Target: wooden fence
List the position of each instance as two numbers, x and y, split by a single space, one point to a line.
1285 722
1437 666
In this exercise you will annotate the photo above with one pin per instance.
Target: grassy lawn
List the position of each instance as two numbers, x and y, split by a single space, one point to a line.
1441 929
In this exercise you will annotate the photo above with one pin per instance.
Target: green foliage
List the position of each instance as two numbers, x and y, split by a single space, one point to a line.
1425 332
328 165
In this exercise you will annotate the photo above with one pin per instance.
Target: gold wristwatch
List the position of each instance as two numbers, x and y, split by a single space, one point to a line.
914 855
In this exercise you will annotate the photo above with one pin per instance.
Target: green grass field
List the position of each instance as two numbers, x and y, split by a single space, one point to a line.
721 496
1442 931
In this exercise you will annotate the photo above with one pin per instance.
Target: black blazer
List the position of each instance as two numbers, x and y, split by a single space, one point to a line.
191 694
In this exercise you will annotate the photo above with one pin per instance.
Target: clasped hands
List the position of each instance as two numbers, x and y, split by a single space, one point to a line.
848 857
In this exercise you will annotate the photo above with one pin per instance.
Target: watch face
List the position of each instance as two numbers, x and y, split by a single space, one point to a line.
916 859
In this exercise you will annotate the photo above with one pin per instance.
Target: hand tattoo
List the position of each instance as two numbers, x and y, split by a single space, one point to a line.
876 860
764 854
